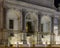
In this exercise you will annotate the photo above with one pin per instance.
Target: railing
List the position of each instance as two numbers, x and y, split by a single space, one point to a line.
23 35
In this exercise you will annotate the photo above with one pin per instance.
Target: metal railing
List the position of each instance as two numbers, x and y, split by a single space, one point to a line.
23 35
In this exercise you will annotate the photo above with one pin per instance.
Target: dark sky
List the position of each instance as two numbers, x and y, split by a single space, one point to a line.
56 2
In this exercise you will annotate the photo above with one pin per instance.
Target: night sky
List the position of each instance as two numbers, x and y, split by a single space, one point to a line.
56 2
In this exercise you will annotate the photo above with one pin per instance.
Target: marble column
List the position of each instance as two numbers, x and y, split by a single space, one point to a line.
59 26
5 34
1 21
23 27
52 35
39 35
1 18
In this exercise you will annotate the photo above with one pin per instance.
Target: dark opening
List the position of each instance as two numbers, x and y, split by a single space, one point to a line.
11 34
30 30
56 2
11 24
42 29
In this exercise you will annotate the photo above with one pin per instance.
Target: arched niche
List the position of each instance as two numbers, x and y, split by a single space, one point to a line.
45 24
31 20
14 16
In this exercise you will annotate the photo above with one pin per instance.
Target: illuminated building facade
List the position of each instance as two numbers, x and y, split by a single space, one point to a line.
28 22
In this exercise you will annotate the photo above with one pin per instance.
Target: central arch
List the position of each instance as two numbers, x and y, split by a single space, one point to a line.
31 23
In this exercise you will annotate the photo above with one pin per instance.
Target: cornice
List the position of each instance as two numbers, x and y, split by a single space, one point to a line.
23 5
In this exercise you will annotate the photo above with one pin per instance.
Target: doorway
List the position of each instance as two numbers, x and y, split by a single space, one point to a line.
29 28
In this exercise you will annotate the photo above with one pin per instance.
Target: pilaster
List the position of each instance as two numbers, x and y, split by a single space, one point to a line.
59 26
23 26
39 34
52 35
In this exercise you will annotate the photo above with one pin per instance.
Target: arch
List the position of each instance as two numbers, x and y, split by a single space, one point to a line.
32 19
13 13
45 19
32 16
45 24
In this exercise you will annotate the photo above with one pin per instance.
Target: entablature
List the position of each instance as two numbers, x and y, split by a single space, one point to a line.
30 7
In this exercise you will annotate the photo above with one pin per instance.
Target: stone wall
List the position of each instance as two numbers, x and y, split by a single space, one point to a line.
1 14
